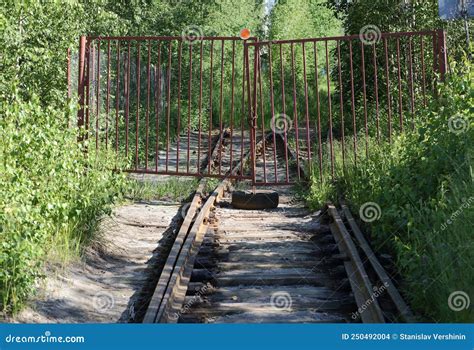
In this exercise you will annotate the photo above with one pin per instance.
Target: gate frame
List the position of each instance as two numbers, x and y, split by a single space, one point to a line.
440 62
440 67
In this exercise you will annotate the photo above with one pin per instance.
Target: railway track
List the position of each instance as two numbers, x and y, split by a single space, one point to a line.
283 265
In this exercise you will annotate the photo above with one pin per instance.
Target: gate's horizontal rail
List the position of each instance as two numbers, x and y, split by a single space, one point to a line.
166 38
342 37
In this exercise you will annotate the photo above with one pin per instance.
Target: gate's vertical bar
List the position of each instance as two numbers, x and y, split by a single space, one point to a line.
137 122
389 100
376 82
400 96
318 106
442 53
81 84
232 109
244 80
262 116
97 98
90 85
284 114
117 99
354 124
295 111
423 69
168 103
209 146
364 92
435 62
107 100
328 78
252 103
127 96
189 102
305 81
272 109
158 107
147 115
178 131
341 105
200 108
255 113
88 73
221 104
410 81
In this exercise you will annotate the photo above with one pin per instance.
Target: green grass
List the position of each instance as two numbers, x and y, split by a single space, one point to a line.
170 189
424 185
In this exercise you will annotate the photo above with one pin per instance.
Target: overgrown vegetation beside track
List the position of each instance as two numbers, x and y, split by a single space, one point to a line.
423 184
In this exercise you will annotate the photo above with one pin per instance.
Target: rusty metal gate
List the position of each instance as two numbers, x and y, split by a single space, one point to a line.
316 106
163 103
329 100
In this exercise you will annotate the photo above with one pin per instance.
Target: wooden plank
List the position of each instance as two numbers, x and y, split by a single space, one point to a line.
255 293
402 307
217 308
361 285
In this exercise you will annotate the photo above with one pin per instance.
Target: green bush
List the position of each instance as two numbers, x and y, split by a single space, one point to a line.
423 184
51 193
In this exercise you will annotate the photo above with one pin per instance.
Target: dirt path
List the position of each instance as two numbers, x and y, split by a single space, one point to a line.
112 278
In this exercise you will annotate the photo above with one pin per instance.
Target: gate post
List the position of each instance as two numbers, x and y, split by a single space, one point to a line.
251 109
442 53
81 81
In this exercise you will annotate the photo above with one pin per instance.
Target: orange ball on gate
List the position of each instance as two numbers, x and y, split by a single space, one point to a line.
245 34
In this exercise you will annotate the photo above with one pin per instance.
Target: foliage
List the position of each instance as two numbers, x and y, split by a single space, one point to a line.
49 188
423 184
176 189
